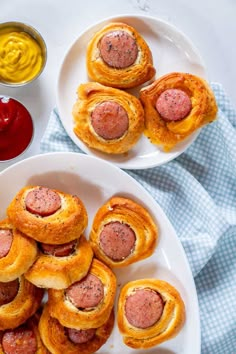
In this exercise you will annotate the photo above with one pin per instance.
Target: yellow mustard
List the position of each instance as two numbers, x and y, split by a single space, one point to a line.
21 57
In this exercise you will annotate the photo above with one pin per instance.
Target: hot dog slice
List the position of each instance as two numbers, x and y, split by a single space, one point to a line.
42 201
8 291
59 250
21 340
5 242
79 336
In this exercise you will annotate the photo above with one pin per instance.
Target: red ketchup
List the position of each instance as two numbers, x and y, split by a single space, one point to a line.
16 128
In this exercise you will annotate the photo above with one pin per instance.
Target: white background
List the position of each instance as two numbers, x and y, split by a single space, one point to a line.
210 24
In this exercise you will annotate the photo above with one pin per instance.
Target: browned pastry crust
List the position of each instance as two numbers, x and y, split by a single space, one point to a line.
65 225
167 327
60 272
23 306
55 339
137 217
141 71
204 108
32 323
21 255
69 316
92 94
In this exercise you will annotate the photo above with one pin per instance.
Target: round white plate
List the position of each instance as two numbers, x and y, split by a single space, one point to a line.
171 50
94 181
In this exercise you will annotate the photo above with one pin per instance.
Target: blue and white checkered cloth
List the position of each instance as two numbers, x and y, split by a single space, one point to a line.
197 191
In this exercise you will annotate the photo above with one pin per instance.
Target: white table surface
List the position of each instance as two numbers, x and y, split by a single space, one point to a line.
209 24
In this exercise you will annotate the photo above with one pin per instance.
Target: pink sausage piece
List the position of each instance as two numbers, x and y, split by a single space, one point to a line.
8 291
110 120
173 105
144 308
6 238
118 49
86 293
63 250
117 240
42 201
20 340
79 336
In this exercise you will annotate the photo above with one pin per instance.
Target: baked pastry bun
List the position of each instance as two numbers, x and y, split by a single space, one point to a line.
23 339
58 267
48 215
150 311
87 303
107 119
123 232
17 252
176 105
19 300
118 56
59 339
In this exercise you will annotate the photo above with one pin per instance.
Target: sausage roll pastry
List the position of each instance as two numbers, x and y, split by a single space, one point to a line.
107 119
118 56
87 303
123 232
150 311
48 215
24 339
176 105
17 252
58 266
19 300
59 339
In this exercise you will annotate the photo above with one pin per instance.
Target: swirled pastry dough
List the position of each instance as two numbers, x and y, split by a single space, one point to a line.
61 226
123 232
107 119
61 307
55 338
22 253
203 110
60 272
23 306
122 63
170 318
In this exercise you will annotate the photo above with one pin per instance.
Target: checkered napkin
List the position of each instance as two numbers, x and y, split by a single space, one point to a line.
197 191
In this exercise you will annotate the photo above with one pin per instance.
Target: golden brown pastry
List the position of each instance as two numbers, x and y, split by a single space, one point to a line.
48 215
123 232
85 304
17 252
118 56
150 311
23 339
59 339
59 267
175 106
107 119
19 300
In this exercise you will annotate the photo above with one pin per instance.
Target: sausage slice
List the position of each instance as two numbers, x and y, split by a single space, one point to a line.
6 238
59 250
79 336
42 201
21 340
8 291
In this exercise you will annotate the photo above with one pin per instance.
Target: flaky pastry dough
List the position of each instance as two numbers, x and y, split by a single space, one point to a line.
204 108
167 327
91 95
140 71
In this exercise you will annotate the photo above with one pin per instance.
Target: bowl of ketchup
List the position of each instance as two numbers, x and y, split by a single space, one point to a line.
16 128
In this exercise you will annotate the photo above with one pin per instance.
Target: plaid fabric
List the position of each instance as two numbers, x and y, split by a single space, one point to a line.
197 191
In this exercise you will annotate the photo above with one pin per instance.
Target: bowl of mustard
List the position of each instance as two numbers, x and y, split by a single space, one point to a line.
23 54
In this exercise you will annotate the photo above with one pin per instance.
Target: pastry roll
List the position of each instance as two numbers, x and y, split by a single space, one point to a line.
87 303
23 339
17 252
175 106
123 232
19 300
59 339
58 267
48 215
107 119
150 311
118 56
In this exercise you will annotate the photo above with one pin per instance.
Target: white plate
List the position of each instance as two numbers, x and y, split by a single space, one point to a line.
75 173
172 51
